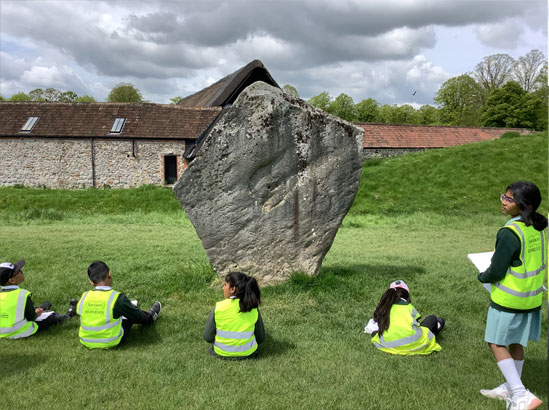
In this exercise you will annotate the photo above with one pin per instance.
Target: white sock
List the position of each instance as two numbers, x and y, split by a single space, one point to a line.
518 365
512 377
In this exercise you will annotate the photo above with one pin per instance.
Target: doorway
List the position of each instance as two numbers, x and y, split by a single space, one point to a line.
170 169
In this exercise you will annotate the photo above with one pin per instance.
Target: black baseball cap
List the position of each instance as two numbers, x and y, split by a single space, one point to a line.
8 270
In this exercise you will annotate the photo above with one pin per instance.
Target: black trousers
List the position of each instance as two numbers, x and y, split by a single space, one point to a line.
431 322
51 320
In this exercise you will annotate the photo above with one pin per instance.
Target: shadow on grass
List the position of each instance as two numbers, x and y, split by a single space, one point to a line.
531 375
13 364
272 347
141 336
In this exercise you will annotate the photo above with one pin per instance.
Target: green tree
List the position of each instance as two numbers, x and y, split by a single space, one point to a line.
125 92
460 99
291 90
175 100
387 113
2 98
85 98
67 96
322 101
20 96
344 107
367 110
37 95
405 114
428 115
511 106
51 94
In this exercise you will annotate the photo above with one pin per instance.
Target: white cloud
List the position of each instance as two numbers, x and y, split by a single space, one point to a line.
502 35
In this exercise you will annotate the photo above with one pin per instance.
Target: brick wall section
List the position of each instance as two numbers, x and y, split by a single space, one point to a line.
67 163
426 136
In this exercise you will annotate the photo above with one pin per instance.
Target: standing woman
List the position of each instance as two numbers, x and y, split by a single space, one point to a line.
516 275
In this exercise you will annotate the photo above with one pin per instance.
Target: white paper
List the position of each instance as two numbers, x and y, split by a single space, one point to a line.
371 327
44 315
482 262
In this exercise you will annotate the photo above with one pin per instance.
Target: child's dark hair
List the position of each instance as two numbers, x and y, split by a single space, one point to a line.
98 271
527 197
247 290
383 309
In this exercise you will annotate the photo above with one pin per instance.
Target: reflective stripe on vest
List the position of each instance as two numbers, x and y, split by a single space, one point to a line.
13 324
98 329
522 286
234 329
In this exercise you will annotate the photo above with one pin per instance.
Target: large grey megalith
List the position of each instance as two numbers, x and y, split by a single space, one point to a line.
271 183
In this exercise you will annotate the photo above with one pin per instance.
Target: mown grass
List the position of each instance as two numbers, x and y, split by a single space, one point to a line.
315 355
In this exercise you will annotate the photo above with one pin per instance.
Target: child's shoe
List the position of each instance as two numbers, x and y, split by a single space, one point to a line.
525 401
440 323
155 310
501 392
72 308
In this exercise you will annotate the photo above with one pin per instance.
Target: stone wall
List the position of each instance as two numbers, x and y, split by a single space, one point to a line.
67 163
371 153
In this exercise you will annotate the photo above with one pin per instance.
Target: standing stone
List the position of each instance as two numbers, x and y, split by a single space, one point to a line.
269 187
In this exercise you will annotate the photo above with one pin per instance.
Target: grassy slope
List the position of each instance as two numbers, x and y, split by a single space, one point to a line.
316 355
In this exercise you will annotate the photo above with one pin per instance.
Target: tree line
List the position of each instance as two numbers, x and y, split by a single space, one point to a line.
500 92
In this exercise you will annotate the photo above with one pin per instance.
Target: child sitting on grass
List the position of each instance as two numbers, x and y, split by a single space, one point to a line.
106 316
234 325
398 330
18 316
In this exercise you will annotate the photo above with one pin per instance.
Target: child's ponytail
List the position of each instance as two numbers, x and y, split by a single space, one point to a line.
528 197
247 290
383 309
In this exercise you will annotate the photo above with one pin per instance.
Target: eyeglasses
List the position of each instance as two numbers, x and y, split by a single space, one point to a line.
506 198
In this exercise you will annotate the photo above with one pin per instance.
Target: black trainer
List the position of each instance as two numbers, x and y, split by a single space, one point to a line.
72 308
45 306
155 310
441 323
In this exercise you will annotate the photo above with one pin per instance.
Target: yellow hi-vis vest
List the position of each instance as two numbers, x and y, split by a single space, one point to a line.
98 328
522 286
405 336
13 324
234 333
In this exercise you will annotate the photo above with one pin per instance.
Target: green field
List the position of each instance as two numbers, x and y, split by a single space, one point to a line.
415 218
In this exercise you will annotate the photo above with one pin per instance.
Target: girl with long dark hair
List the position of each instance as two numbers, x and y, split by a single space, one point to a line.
399 331
234 325
516 275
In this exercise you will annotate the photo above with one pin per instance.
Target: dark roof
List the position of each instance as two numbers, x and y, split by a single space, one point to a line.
143 120
426 136
226 90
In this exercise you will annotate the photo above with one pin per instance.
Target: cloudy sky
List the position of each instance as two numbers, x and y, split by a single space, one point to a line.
382 49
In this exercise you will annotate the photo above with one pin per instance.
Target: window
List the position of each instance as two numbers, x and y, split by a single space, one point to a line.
29 124
118 125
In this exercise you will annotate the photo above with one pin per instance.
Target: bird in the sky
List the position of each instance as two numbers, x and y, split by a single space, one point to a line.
414 93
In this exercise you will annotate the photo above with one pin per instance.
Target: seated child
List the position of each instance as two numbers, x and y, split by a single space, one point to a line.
18 316
234 325
106 316
395 328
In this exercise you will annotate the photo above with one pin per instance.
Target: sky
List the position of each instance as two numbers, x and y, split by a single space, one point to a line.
395 51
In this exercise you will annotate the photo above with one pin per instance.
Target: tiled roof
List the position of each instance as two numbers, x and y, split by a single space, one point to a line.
426 136
143 120
226 90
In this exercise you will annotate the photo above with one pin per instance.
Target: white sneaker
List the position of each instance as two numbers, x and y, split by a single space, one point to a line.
525 401
501 392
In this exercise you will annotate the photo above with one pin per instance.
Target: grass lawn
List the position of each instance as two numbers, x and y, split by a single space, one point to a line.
414 226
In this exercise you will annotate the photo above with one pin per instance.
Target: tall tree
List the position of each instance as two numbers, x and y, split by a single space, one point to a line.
51 94
511 106
494 71
528 68
428 115
175 100
367 110
37 94
290 89
460 100
387 113
67 96
344 107
406 114
125 92
2 98
322 101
